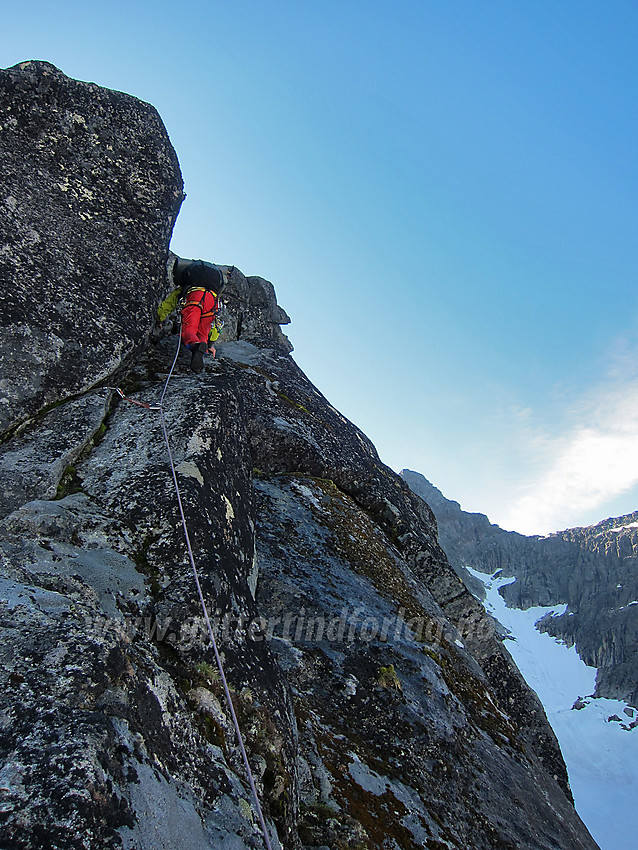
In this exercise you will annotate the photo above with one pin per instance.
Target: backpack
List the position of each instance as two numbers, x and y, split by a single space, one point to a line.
188 274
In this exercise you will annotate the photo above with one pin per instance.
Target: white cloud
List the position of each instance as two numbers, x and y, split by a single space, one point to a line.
594 460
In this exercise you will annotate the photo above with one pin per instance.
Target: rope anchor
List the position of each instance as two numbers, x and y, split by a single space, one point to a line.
132 400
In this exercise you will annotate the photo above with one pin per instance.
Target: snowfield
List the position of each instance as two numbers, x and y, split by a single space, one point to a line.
601 756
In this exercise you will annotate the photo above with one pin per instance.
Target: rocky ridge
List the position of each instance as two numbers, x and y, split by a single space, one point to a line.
591 569
378 707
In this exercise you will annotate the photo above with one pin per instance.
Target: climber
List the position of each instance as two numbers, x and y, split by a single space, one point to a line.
197 295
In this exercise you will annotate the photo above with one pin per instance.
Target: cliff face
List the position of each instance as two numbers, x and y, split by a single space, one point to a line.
90 190
377 705
592 569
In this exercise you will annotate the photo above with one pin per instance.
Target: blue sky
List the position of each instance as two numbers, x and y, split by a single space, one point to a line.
444 195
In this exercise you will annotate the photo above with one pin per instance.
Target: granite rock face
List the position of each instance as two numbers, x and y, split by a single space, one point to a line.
591 569
602 595
90 190
377 705
251 305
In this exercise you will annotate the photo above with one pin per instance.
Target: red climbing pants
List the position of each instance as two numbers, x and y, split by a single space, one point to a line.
197 316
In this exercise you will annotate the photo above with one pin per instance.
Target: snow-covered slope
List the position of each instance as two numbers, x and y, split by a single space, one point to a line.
601 753
594 569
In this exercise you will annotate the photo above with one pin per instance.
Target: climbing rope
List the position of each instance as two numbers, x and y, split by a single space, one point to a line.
218 659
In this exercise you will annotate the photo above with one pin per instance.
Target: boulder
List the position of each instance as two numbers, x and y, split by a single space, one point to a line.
90 187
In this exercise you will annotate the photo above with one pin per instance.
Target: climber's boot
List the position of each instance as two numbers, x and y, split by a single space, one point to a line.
197 360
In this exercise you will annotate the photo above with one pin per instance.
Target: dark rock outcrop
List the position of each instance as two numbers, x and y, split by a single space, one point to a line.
591 569
378 707
253 312
89 194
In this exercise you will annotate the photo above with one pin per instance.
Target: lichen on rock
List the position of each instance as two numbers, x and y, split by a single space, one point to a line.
372 692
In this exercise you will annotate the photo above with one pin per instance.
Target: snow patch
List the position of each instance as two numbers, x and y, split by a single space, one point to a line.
601 757
622 527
